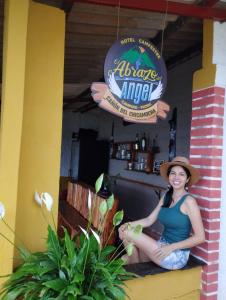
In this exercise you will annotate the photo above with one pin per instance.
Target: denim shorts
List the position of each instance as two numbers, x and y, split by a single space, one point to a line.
176 260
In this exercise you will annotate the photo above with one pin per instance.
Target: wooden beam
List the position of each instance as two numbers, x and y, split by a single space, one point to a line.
210 3
182 9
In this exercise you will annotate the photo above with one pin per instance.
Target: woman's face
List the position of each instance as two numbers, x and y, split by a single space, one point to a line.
178 177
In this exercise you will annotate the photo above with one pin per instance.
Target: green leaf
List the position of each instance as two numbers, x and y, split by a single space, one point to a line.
24 253
70 245
110 202
129 249
56 284
107 251
103 207
138 229
118 218
54 250
99 182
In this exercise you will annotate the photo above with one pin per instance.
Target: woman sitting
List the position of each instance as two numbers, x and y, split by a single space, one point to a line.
178 212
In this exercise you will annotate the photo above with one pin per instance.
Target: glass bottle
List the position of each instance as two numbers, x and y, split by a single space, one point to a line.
137 145
143 142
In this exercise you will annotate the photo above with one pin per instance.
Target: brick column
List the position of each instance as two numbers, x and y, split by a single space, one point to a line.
206 148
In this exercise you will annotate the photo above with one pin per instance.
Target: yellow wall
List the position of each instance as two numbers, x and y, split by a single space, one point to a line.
31 119
181 284
42 120
13 80
206 76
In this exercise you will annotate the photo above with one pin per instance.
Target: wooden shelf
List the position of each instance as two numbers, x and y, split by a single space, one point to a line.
141 171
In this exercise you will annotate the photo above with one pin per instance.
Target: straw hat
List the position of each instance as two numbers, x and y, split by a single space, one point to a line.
180 161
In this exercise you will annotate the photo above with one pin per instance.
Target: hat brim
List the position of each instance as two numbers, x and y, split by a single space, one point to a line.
194 172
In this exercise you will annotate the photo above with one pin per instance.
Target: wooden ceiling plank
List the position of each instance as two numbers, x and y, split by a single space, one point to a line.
210 3
99 30
177 8
113 10
129 22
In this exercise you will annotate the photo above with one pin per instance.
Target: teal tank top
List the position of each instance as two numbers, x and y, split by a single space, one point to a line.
177 226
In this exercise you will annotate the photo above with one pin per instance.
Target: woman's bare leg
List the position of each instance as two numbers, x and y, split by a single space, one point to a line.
145 244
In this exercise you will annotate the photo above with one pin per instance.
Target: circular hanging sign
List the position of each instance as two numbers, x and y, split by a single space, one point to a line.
135 75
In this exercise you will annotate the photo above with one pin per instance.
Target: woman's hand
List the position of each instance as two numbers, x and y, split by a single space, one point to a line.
163 251
122 230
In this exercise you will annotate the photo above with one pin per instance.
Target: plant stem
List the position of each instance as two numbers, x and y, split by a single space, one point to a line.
113 229
44 216
54 224
118 253
5 237
10 228
86 258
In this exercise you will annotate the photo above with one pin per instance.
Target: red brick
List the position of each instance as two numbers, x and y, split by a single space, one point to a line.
207 256
206 142
210 278
211 268
207 121
208 204
208 297
206 161
210 183
210 172
209 288
205 192
208 91
208 100
210 246
206 151
208 111
211 225
212 236
210 214
207 131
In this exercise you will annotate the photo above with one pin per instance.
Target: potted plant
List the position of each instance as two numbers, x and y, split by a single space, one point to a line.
78 268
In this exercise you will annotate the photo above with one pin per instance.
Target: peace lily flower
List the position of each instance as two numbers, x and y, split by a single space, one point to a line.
2 210
47 200
85 232
38 198
96 236
89 201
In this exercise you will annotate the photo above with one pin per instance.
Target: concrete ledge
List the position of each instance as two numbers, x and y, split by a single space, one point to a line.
157 283
150 268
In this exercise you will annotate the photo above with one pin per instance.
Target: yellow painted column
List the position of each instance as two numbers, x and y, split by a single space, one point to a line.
205 77
31 120
14 56
42 120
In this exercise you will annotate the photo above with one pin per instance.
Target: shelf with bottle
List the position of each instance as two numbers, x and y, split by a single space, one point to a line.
142 162
122 151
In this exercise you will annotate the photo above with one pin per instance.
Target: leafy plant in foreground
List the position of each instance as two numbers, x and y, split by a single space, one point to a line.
78 268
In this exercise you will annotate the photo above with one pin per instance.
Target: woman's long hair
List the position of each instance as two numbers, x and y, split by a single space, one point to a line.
168 198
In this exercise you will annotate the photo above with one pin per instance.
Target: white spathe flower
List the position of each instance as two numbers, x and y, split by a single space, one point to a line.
2 210
38 199
47 200
96 236
85 232
89 201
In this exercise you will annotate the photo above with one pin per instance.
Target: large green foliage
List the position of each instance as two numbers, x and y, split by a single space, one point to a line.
68 269
79 268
